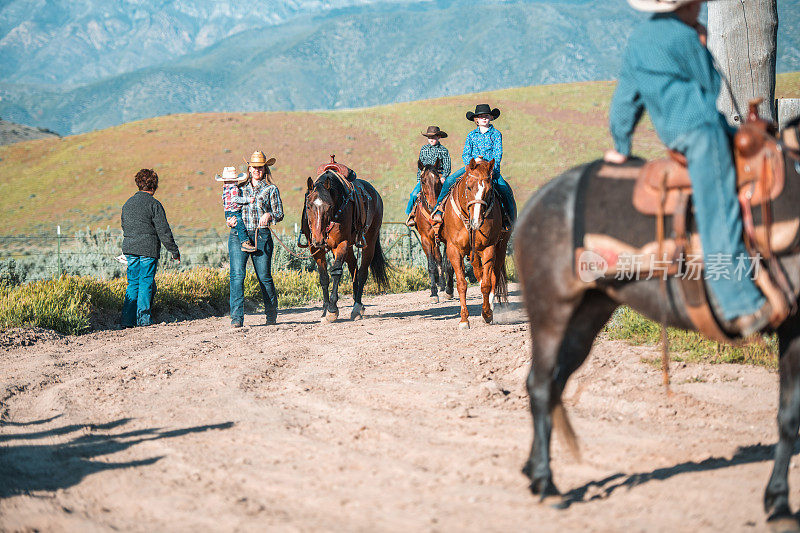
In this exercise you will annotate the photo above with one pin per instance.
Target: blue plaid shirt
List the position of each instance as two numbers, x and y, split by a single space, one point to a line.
266 199
487 145
429 154
666 70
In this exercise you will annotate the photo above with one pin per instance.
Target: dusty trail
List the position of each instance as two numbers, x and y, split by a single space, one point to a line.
397 422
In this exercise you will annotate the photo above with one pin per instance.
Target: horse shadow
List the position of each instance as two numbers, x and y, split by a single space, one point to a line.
604 488
452 311
26 468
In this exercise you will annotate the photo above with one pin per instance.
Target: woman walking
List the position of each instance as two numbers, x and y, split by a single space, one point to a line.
145 229
263 209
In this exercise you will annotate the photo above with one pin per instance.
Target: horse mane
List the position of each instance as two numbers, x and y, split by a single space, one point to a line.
336 185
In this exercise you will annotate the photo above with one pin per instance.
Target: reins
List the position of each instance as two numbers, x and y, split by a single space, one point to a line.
459 210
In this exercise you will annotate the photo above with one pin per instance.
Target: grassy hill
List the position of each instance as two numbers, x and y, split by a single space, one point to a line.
82 180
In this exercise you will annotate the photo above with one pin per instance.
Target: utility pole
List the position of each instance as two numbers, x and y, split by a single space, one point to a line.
742 37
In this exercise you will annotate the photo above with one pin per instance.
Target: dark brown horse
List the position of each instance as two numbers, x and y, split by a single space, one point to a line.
341 214
439 269
472 226
566 314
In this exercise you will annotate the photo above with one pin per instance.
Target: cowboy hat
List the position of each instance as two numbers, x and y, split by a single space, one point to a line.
483 109
229 174
434 131
258 159
659 6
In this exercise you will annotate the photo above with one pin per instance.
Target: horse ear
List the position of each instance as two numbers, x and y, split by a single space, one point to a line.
419 164
327 182
491 167
472 164
310 183
438 164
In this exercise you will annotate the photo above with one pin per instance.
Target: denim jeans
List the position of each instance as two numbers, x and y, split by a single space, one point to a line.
506 194
262 264
140 292
413 198
241 231
719 220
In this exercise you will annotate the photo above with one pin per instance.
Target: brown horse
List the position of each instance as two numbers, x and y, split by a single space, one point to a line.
439 270
473 224
333 207
566 314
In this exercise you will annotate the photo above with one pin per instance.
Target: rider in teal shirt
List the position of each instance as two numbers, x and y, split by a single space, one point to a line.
484 142
668 71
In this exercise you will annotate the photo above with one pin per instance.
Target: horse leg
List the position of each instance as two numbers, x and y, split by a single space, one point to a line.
449 273
360 280
776 496
322 268
437 256
562 334
433 271
488 282
456 259
339 255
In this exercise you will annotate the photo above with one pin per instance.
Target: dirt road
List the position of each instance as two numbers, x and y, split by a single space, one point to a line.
398 422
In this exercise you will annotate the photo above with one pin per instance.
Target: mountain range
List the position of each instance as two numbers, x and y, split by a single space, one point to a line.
83 65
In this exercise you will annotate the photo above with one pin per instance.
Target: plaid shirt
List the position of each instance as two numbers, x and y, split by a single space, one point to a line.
487 145
231 201
266 199
428 155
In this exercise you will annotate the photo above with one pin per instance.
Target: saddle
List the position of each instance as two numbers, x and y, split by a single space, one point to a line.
663 188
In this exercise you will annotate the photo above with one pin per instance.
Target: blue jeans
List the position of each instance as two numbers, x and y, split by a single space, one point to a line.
413 198
241 231
140 292
262 264
719 221
506 194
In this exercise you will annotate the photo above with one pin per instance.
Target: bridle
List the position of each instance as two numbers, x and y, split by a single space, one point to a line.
423 197
336 216
463 214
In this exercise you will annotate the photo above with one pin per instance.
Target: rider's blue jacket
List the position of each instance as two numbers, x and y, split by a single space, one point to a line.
666 70
487 145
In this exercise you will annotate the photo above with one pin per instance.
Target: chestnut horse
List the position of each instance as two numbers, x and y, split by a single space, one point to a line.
439 270
330 209
473 224
566 314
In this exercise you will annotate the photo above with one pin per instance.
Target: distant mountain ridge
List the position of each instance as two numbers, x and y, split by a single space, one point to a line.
362 54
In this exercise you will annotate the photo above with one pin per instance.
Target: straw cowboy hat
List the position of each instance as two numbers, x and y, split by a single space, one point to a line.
659 6
229 174
258 159
483 109
435 132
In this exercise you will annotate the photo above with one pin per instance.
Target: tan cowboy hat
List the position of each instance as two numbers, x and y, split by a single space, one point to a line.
659 6
434 131
258 159
229 174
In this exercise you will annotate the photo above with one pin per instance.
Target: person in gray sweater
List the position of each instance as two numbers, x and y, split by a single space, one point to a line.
145 229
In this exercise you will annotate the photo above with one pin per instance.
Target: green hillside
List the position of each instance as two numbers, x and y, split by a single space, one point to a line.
82 180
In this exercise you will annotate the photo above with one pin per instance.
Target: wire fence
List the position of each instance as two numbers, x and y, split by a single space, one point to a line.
47 254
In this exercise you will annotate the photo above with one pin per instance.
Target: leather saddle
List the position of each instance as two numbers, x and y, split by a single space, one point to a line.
663 188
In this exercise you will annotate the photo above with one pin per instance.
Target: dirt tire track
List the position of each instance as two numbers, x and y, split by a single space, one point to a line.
395 422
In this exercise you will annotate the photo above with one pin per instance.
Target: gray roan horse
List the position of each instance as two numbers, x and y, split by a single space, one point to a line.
566 315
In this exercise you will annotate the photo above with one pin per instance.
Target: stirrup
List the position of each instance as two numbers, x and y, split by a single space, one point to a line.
300 244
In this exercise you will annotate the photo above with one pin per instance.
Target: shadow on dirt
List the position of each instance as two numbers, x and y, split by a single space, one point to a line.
602 489
26 468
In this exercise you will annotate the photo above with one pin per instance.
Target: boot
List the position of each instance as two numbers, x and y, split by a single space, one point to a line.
748 324
247 246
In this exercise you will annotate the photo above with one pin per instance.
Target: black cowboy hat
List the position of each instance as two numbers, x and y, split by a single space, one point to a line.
434 131
483 109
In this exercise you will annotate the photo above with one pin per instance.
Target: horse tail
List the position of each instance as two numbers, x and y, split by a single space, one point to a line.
563 427
378 266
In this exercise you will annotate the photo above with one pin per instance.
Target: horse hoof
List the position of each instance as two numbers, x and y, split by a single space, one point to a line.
448 296
358 312
463 325
487 317
434 299
331 316
784 523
